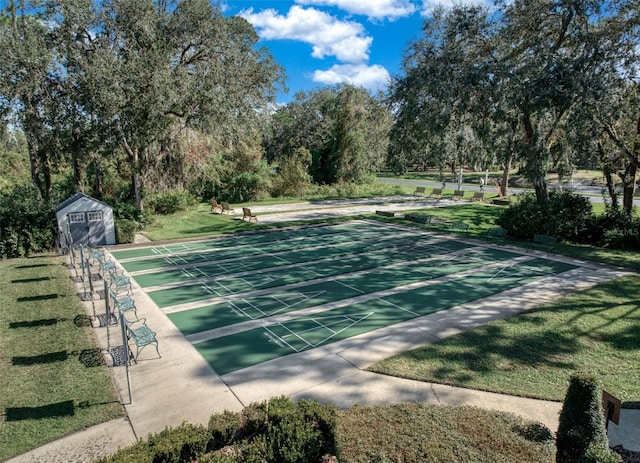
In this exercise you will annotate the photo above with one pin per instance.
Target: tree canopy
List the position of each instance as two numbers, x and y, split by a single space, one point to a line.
518 78
90 80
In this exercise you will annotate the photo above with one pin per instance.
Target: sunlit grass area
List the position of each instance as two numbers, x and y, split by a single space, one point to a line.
53 379
533 354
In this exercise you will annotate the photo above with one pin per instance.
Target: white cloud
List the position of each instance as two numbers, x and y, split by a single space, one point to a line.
373 77
373 9
328 36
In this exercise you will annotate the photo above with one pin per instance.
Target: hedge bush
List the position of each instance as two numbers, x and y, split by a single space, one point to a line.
566 215
125 231
581 432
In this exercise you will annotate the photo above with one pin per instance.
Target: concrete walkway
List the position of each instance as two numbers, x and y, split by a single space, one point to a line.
180 386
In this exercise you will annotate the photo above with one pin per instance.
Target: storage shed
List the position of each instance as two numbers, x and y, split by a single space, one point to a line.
83 220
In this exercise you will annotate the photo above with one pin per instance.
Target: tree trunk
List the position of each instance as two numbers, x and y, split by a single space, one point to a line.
134 162
535 168
98 187
628 188
611 188
504 184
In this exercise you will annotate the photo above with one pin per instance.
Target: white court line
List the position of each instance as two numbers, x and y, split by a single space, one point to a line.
281 338
245 313
323 326
349 286
398 307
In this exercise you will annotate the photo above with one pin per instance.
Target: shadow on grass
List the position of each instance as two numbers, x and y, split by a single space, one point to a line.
33 266
54 410
31 280
50 357
91 358
501 353
79 320
88 357
33 323
42 297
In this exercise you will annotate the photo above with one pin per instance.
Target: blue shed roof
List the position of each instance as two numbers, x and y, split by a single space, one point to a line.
75 198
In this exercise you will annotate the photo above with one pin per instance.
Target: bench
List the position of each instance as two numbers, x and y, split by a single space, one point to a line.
478 196
106 266
459 227
246 214
142 336
545 241
215 206
123 303
224 208
497 233
422 220
436 193
420 191
96 255
458 194
119 281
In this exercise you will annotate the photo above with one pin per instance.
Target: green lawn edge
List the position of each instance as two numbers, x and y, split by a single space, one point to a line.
535 353
53 378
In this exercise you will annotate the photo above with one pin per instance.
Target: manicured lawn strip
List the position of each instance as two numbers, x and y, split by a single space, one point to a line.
534 354
240 350
198 222
414 433
482 217
52 376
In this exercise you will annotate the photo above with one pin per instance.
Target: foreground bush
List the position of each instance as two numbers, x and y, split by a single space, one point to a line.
272 431
279 431
582 437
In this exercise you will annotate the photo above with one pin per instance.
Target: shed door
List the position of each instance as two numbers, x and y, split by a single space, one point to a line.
96 233
78 228
87 228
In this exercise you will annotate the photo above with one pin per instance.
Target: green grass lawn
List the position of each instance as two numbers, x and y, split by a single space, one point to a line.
416 433
533 354
53 380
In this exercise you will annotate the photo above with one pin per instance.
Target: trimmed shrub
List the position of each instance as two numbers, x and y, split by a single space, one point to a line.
582 428
566 215
224 428
179 445
275 431
125 231
616 229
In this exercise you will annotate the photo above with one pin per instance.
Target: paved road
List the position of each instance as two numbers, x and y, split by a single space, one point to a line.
594 193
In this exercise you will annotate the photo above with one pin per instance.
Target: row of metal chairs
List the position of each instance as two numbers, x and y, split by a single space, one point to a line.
120 294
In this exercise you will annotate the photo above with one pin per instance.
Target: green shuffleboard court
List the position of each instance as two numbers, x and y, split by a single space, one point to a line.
234 352
333 282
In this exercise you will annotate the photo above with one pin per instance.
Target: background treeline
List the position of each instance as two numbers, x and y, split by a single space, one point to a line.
161 104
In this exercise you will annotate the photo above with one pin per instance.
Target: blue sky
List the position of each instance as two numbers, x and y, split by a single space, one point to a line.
326 42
